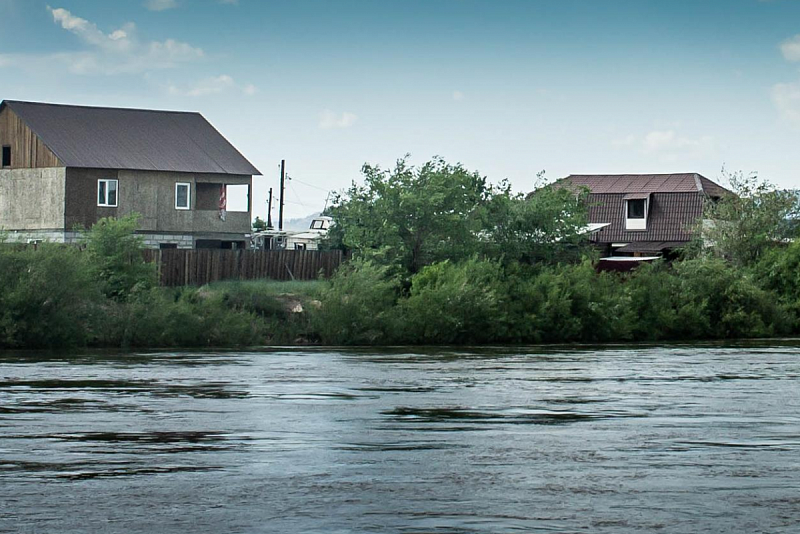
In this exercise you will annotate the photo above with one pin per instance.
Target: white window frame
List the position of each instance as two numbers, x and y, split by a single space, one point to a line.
639 223
105 203
188 205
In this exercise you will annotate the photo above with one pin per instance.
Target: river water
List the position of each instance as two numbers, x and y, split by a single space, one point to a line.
615 439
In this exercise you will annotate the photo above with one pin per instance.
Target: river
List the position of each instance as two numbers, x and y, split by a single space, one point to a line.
614 439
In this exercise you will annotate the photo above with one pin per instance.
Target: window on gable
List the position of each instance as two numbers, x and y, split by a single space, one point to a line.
183 200
636 208
107 193
6 156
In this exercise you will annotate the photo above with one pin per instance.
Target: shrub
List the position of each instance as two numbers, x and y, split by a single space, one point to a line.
455 303
115 254
356 307
48 297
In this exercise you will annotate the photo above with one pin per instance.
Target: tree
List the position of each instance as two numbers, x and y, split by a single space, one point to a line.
115 254
546 225
259 225
742 226
411 217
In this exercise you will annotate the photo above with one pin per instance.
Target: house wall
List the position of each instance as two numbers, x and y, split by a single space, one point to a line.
152 195
32 199
27 150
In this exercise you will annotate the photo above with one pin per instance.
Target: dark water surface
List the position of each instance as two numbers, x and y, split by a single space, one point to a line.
611 439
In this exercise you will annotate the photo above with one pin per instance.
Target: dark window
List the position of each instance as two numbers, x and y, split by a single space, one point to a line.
636 208
6 156
165 246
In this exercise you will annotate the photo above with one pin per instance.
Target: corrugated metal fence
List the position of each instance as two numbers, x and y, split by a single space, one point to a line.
201 266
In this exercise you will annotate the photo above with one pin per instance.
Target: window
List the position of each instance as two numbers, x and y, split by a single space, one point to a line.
300 246
319 224
183 200
636 208
6 156
107 193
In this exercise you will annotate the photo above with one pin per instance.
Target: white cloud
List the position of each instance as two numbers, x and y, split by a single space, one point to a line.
668 145
786 98
160 5
212 86
790 48
458 96
119 51
329 119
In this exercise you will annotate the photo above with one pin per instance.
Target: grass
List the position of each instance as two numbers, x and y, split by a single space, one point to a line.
271 288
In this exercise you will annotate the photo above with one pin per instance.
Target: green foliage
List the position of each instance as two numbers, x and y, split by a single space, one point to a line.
545 226
779 272
259 225
717 300
454 303
48 297
191 317
570 303
409 217
115 254
742 227
357 306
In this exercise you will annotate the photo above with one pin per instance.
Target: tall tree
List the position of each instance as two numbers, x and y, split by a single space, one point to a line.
741 226
411 217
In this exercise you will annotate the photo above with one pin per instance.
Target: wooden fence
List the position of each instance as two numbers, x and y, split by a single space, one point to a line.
196 267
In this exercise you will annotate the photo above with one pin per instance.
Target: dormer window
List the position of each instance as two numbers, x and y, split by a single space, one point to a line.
636 208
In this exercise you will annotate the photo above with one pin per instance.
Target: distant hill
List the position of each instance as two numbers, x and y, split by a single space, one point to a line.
303 223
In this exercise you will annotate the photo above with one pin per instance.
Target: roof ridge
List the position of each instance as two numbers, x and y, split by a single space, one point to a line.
83 106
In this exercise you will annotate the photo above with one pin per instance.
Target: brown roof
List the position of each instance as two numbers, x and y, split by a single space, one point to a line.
140 139
644 183
670 217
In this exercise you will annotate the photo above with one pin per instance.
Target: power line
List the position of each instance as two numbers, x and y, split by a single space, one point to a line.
309 185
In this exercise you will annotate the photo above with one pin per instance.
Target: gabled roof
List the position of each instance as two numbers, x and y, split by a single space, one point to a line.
134 139
644 183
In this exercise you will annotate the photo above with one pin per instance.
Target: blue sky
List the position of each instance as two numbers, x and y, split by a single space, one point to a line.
508 88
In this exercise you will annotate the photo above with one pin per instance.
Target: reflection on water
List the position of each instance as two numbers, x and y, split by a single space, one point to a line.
605 439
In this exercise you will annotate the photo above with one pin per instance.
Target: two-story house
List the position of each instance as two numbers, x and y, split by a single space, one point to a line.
64 167
645 214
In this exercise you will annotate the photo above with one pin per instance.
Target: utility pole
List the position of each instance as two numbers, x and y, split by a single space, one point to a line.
269 211
283 193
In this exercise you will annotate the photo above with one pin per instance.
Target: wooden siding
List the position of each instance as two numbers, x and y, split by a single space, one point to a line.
27 150
203 266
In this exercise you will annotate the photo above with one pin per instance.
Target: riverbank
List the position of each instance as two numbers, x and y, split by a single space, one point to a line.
53 305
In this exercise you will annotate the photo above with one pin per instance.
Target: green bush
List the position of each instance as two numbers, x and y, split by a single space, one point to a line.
180 318
357 306
48 297
115 254
455 303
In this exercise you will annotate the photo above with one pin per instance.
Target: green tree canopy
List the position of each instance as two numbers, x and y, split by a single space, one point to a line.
411 217
742 226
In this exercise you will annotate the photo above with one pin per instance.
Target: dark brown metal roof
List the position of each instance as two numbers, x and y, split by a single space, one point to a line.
137 139
644 183
670 217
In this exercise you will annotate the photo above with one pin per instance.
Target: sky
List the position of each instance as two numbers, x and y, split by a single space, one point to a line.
506 87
